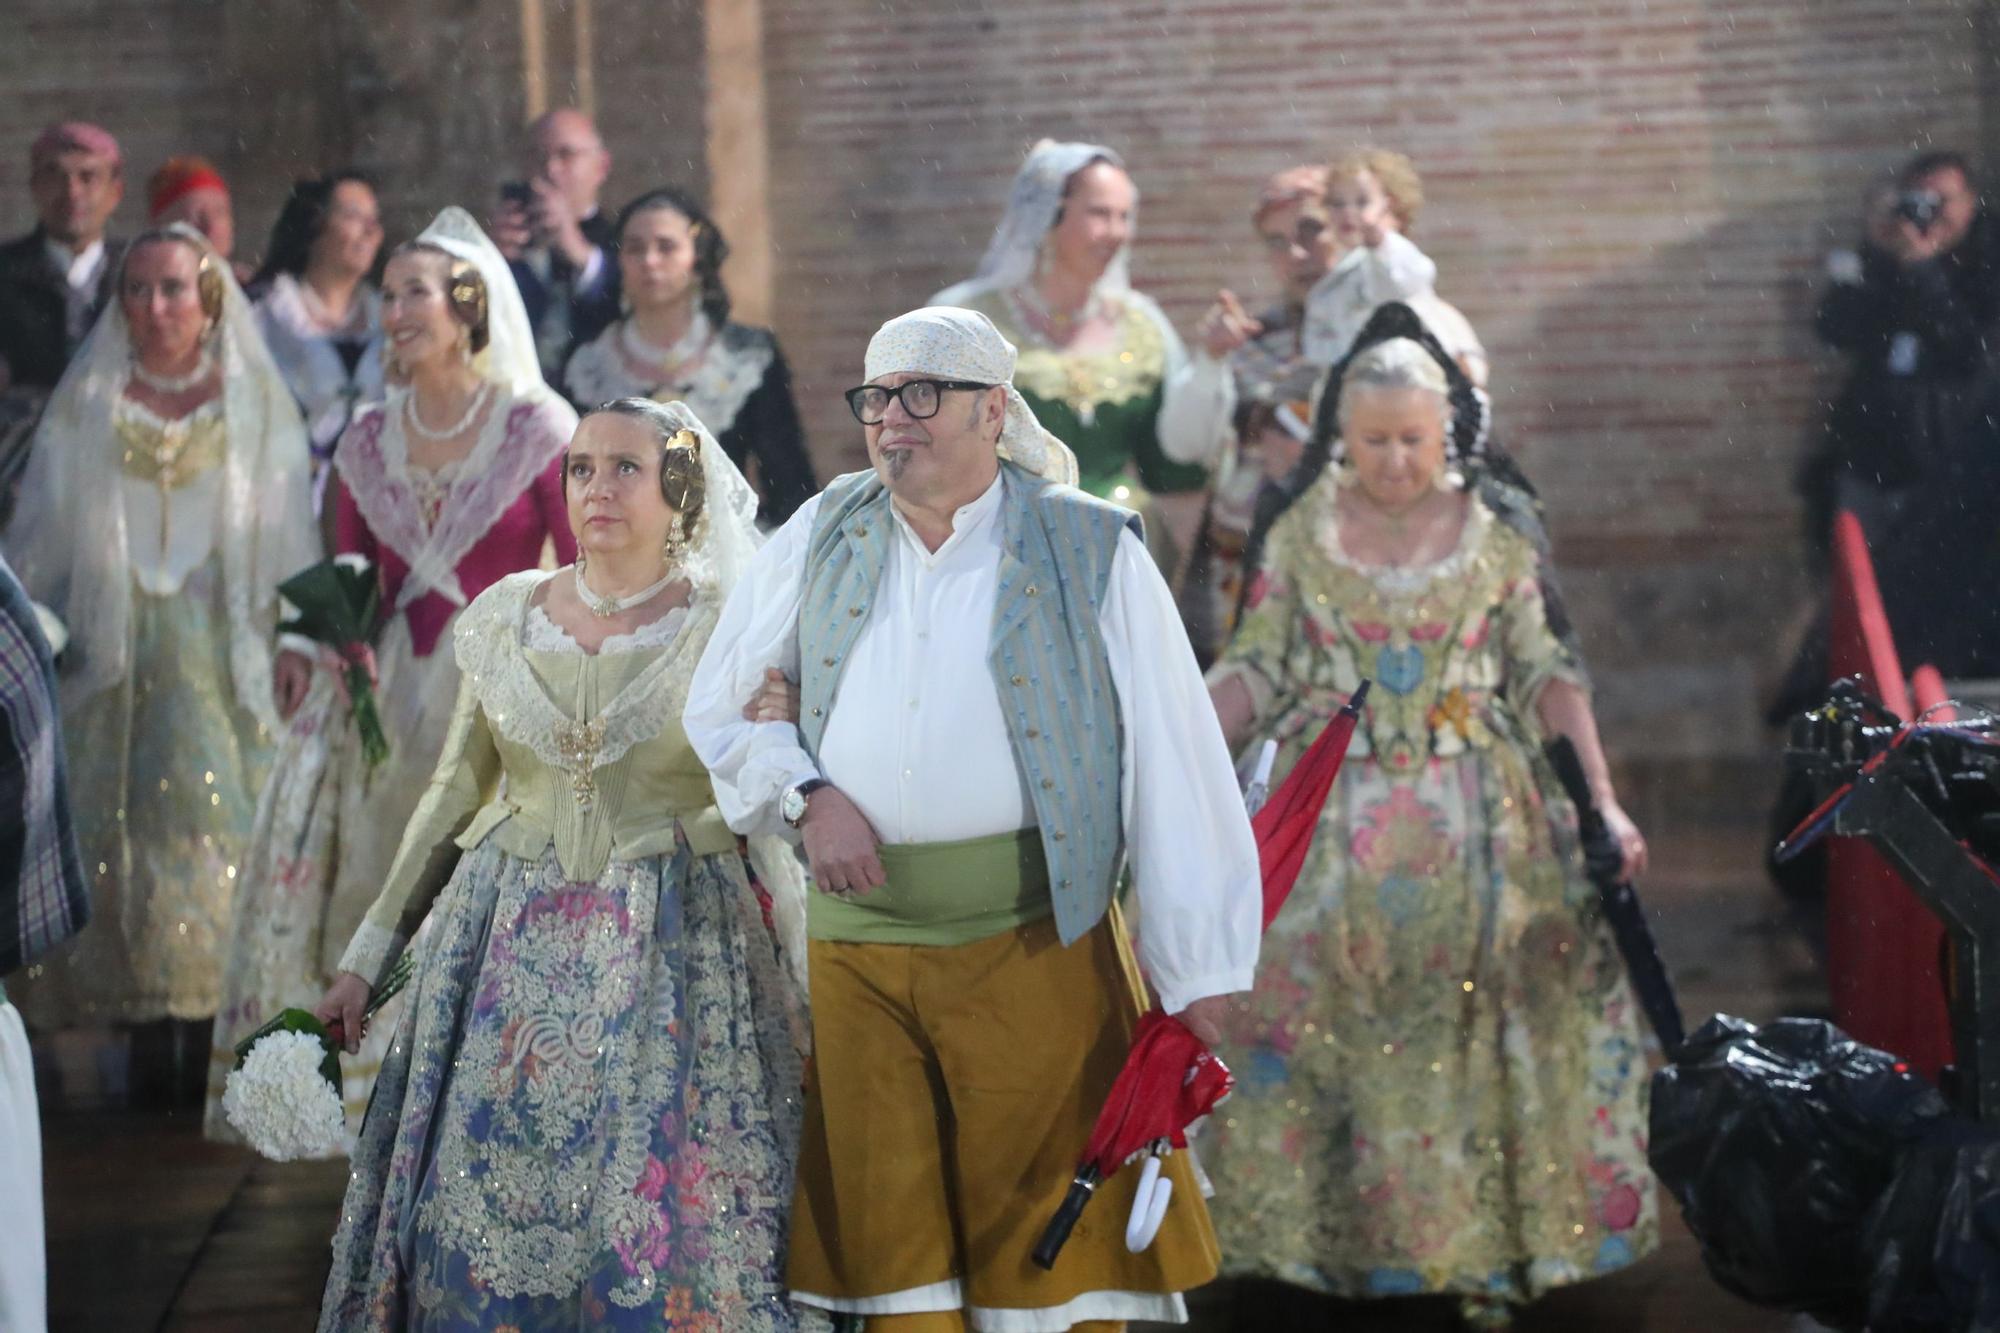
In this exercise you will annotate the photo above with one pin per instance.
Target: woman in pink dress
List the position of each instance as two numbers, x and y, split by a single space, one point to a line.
452 483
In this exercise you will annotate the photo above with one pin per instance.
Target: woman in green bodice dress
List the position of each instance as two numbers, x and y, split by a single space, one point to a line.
167 496
590 1109
1097 358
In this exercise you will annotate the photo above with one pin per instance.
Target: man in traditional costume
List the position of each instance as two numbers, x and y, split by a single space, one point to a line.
997 706
44 899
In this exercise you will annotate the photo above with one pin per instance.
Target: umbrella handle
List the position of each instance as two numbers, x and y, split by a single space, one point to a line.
1056 1234
1149 1206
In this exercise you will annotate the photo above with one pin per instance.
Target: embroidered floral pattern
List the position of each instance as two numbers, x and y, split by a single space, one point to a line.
1443 1088
589 1114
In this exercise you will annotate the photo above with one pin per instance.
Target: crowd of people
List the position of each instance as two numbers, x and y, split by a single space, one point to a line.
786 870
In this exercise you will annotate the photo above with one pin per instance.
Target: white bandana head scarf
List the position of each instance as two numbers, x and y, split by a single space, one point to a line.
964 345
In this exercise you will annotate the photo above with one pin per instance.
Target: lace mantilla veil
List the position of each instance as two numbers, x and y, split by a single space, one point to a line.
509 356
68 539
1032 204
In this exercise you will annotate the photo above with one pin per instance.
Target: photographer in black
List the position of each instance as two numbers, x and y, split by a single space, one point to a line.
1915 308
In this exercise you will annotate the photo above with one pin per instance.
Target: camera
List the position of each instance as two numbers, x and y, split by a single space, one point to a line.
517 192
1920 208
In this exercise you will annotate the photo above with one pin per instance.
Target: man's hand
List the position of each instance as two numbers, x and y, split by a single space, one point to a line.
776 700
840 844
1911 244
1204 1018
558 224
511 230
1226 326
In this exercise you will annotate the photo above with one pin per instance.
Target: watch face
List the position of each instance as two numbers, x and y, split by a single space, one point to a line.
793 807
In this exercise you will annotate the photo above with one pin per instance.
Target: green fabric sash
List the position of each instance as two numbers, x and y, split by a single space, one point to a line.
941 893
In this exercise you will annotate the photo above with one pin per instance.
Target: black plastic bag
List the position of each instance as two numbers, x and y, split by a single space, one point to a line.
1777 1142
1934 1239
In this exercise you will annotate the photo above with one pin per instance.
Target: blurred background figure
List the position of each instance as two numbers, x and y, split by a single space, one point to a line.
318 306
676 341
1246 400
1914 308
54 280
166 496
45 899
1373 197
553 232
191 190
1097 357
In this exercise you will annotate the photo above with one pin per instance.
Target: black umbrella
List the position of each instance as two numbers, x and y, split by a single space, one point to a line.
1604 863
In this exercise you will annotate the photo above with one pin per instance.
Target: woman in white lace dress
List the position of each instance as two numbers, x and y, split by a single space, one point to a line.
451 483
166 498
589 1114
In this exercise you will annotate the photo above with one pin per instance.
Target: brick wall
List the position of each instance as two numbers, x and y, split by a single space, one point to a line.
426 94
1629 198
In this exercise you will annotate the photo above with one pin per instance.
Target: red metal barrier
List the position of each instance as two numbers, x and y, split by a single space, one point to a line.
1882 942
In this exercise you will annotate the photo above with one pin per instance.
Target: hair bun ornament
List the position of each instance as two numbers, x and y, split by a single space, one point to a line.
684 439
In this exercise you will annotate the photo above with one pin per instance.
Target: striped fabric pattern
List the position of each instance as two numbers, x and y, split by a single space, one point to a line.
44 898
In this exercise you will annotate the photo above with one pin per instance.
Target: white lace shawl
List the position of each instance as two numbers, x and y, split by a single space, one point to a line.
729 372
490 637
517 441
312 366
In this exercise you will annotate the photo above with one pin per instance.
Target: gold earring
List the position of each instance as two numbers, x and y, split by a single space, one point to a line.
676 546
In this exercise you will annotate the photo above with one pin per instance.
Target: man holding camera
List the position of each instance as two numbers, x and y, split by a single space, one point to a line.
1914 309
561 247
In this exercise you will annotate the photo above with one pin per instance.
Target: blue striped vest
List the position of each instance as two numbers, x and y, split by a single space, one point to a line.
1046 653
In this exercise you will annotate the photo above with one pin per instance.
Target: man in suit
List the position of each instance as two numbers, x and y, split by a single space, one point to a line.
560 245
55 280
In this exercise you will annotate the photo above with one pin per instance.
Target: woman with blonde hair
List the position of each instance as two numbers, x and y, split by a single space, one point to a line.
166 498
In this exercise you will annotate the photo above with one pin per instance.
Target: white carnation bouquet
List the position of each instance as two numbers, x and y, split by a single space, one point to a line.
284 1095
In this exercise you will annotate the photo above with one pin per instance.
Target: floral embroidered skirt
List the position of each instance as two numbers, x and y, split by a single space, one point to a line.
589 1114
1440 1081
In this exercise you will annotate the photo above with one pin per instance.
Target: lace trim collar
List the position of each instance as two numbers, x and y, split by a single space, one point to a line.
490 640
542 635
1404 580
715 390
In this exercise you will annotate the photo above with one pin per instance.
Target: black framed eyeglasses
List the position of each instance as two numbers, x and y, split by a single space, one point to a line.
921 398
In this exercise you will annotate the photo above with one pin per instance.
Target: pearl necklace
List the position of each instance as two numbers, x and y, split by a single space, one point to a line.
204 366
606 607
456 428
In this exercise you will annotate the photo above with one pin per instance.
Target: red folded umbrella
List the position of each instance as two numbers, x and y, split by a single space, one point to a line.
1285 826
1171 1079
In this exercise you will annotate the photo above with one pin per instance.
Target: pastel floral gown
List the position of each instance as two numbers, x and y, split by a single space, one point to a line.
589 1113
1441 1083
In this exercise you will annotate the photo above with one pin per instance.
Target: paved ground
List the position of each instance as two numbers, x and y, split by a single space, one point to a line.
150 1228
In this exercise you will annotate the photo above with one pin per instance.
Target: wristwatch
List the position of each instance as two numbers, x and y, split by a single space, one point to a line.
792 806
